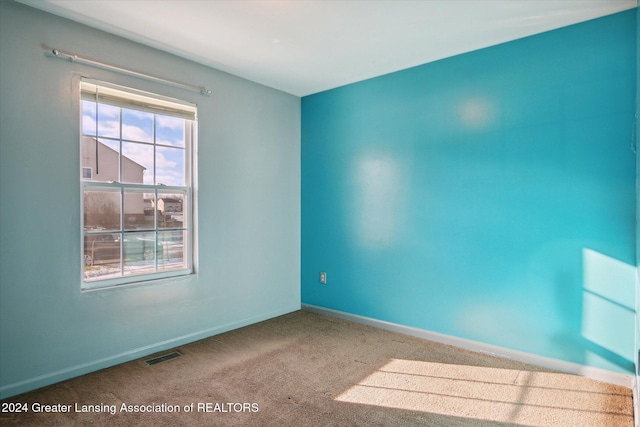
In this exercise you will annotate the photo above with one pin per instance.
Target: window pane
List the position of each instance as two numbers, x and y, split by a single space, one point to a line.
88 153
140 251
134 210
137 163
173 255
108 121
137 125
149 210
101 256
170 131
170 167
114 145
102 210
101 157
88 118
171 210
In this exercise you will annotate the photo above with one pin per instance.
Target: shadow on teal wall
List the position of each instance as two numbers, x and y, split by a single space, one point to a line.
480 196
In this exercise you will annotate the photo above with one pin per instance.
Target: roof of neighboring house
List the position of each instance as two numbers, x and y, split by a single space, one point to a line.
90 138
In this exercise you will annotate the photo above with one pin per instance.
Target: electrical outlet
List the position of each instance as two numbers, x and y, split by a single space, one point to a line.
323 277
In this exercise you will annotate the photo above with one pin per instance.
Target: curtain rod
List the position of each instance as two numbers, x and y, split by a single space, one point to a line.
75 58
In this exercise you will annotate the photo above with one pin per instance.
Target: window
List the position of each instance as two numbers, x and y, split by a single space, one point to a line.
136 154
87 173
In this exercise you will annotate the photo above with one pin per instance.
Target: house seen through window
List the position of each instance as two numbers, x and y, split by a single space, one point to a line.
136 176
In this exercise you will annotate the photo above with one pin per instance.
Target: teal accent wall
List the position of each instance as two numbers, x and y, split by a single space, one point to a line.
248 208
488 196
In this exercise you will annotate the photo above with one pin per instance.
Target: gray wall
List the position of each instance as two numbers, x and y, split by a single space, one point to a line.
248 208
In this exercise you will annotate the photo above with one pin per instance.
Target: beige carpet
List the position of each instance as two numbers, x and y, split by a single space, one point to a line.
305 369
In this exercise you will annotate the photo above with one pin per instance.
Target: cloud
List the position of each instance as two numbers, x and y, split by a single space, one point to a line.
88 125
170 168
89 107
140 115
108 111
170 131
135 133
173 123
109 128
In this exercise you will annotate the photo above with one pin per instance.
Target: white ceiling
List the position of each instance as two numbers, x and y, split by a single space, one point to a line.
303 47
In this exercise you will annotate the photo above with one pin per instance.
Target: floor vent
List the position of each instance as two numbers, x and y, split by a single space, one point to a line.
162 358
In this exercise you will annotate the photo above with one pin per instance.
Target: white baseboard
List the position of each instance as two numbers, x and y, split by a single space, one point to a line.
625 380
30 384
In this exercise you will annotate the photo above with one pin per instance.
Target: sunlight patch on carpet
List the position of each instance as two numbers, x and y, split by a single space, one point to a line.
490 394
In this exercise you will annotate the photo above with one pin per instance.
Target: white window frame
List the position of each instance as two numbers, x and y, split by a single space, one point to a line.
156 104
